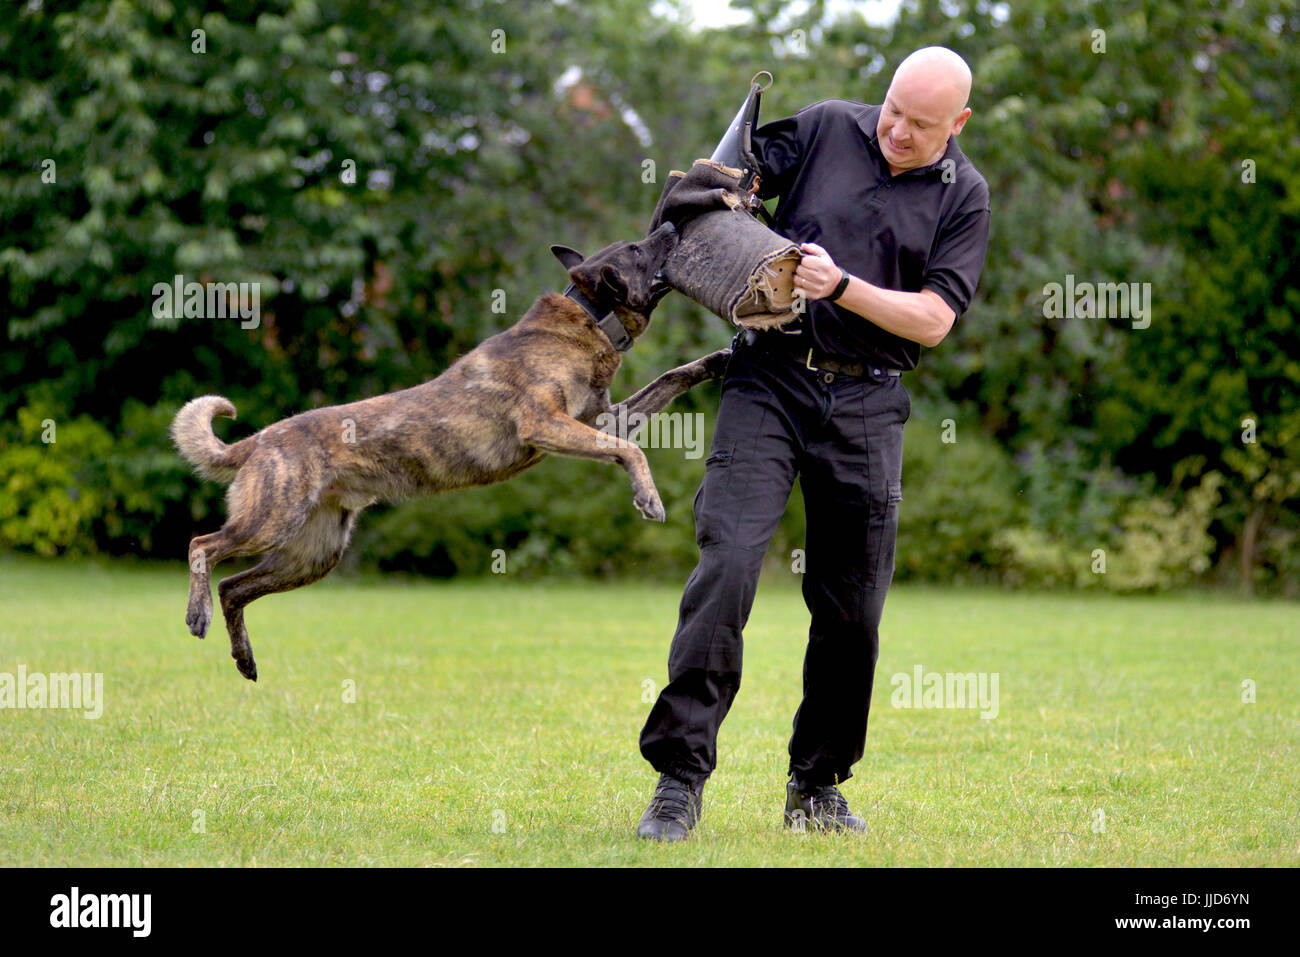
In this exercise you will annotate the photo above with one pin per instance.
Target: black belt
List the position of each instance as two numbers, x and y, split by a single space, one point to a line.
795 348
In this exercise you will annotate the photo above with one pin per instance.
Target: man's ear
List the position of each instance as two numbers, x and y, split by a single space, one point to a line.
568 257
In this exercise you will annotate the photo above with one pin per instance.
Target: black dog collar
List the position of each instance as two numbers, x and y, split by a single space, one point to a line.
608 322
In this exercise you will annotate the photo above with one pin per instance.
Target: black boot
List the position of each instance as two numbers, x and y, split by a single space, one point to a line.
819 808
675 809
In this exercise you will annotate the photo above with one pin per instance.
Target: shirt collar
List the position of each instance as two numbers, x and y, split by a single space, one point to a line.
868 116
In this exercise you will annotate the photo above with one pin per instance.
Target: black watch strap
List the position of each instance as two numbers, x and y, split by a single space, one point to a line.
839 290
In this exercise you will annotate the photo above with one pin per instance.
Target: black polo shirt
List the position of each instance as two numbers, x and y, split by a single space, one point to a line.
917 230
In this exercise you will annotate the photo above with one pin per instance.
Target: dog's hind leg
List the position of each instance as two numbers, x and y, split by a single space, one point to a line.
308 557
205 552
265 513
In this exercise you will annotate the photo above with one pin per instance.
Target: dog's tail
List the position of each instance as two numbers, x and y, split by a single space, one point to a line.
192 433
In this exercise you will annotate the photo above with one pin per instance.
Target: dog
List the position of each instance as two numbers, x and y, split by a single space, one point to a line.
297 487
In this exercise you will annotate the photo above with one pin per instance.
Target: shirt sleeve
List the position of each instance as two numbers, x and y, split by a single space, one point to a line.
953 272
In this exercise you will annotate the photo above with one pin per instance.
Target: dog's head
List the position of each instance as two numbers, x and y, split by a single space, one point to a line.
624 276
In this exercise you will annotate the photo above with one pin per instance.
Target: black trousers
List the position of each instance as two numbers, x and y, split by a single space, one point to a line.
843 438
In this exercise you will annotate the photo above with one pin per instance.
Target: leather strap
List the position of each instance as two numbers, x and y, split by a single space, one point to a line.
814 361
855 370
839 290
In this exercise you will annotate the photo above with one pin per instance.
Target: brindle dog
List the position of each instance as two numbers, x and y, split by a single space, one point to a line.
297 486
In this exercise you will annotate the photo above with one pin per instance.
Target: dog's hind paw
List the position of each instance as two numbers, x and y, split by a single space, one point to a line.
198 619
247 667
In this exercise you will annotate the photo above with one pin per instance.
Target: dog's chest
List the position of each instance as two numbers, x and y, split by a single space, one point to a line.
584 404
588 394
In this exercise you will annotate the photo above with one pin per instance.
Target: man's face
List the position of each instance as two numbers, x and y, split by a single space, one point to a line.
916 120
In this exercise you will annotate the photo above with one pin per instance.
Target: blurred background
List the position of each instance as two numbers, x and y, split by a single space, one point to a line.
141 140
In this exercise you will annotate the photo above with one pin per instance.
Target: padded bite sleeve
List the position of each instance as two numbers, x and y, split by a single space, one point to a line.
726 259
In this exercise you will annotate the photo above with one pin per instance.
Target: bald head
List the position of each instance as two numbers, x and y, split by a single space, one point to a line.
925 104
938 72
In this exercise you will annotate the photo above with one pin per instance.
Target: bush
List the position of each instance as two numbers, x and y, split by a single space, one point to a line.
957 496
1156 545
52 488
74 487
1163 546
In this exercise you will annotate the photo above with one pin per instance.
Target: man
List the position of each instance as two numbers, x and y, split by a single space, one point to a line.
893 223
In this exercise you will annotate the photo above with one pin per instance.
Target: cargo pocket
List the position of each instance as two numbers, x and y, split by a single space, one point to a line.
887 469
711 495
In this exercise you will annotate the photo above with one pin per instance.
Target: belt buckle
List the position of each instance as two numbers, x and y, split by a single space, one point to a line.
827 377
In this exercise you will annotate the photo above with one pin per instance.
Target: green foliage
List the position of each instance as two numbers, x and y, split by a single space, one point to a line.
1266 464
51 492
957 496
1156 545
482 134
74 486
230 165
1163 546
153 492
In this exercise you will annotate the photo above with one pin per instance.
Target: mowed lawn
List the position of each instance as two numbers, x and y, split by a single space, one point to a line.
495 723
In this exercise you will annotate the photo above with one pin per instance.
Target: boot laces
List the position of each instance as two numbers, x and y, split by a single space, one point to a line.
673 802
828 800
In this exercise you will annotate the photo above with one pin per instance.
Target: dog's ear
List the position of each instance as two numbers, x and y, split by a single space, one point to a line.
610 277
568 258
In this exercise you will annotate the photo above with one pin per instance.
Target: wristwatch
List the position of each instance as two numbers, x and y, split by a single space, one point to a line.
839 290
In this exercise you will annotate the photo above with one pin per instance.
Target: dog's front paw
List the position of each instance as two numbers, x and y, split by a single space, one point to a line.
715 364
651 507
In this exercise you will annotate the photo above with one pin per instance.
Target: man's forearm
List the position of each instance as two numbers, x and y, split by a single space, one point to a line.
919 316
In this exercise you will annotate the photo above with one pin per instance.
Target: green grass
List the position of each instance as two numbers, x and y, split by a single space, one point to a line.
516 704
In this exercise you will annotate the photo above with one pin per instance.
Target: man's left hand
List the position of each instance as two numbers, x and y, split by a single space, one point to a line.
817 275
